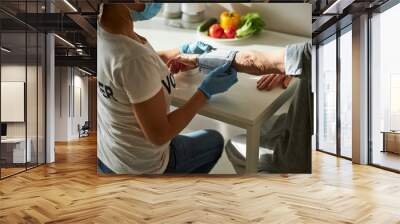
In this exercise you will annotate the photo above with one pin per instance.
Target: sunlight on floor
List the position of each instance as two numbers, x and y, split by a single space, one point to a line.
386 159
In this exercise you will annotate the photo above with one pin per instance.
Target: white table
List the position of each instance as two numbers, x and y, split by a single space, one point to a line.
19 154
243 105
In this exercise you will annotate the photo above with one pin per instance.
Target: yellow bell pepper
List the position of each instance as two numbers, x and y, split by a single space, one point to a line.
227 19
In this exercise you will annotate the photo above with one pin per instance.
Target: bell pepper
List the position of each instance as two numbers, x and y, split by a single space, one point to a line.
231 19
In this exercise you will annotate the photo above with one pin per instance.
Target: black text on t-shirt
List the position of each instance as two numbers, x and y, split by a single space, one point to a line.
106 91
170 81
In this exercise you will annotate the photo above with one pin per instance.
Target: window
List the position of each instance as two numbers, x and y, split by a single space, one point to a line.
334 62
346 93
22 75
314 90
385 89
394 119
327 97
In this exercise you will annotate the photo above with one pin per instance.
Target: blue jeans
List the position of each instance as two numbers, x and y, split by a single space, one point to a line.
102 168
195 152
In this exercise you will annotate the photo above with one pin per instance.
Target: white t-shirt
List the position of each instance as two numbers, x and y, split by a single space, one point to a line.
128 72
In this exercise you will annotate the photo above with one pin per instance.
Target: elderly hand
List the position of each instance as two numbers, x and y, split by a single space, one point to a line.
270 81
182 63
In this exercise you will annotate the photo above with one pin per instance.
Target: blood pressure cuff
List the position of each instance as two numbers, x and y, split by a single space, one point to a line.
211 60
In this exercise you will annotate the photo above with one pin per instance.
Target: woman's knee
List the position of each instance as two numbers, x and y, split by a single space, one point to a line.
217 140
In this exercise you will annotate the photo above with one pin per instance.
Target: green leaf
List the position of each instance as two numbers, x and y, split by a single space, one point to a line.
251 23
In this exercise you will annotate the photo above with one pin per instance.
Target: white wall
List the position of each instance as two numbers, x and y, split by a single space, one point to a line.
293 18
12 73
33 127
69 82
82 82
61 103
79 117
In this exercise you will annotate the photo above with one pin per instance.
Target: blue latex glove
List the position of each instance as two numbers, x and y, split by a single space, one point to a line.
150 10
218 80
196 47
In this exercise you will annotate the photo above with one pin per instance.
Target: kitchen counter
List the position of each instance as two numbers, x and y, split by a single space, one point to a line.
163 37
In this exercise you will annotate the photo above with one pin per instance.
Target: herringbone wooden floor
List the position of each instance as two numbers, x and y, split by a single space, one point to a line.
70 191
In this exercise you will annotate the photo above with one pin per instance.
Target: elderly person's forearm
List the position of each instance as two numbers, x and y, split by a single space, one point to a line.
251 62
259 63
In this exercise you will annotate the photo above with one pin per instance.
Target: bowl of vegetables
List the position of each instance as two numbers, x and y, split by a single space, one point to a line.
231 27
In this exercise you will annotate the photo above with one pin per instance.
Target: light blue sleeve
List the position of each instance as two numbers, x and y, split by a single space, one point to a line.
298 60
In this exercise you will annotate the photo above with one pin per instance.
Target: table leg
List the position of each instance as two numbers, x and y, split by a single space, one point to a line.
252 148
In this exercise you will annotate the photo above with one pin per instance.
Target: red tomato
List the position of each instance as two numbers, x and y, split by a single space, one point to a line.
230 32
215 31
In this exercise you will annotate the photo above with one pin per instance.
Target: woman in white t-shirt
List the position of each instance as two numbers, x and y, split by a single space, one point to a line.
137 134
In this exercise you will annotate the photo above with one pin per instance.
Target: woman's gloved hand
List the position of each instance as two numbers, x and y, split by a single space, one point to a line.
196 47
218 80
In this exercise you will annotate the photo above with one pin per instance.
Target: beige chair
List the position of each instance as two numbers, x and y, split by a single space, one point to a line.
236 152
